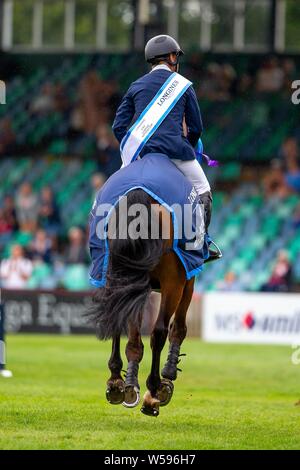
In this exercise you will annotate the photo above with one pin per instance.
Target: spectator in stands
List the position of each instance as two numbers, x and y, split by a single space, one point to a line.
296 218
244 84
97 181
27 208
108 150
284 176
194 65
290 151
289 69
274 182
91 96
60 99
290 74
113 98
49 215
7 137
5 227
270 77
209 85
218 82
230 283
44 103
8 221
16 270
281 278
76 252
9 212
77 123
227 82
40 248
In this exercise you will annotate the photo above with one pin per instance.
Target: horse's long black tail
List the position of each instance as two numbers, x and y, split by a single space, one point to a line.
128 276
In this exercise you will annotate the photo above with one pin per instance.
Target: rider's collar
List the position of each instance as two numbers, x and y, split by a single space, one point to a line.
161 67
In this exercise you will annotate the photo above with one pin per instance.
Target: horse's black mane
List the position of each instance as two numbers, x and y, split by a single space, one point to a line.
128 277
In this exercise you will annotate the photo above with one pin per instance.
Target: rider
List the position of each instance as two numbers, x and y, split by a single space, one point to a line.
179 132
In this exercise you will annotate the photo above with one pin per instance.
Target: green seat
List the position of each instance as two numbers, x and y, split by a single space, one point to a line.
247 210
23 238
238 266
284 210
260 279
248 255
235 219
230 171
231 232
58 147
258 241
218 200
76 277
293 200
294 246
270 226
40 272
257 200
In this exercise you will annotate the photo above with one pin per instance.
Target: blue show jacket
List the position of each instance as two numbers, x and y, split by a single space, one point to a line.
168 138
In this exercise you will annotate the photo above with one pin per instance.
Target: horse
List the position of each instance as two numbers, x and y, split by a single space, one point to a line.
136 267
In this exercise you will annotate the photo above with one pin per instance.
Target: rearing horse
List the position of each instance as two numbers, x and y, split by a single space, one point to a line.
136 267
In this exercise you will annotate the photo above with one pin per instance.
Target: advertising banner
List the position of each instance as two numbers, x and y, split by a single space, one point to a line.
251 318
46 311
57 311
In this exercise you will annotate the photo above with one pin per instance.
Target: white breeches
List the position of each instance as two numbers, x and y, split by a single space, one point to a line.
192 170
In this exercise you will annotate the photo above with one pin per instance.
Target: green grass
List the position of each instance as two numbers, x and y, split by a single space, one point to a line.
228 397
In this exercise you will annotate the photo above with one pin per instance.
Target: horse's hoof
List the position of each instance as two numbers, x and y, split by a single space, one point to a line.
132 396
165 392
115 394
150 411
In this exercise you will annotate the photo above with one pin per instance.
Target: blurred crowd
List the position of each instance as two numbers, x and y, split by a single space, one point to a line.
87 114
36 220
281 180
223 82
88 110
281 278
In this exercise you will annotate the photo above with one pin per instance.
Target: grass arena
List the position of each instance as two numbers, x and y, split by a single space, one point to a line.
227 397
149 227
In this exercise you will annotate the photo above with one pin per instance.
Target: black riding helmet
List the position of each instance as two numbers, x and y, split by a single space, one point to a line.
161 47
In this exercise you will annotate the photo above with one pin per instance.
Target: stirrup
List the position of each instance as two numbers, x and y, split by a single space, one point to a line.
214 255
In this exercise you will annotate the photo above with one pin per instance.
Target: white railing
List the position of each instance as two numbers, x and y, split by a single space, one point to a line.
173 16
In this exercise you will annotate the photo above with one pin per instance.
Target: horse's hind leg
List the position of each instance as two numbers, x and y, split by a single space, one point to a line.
134 354
176 336
115 391
169 301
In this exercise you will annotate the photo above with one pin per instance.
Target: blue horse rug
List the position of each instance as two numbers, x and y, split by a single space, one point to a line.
160 178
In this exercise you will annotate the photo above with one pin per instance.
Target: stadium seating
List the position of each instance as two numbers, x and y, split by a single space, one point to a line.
248 228
251 232
239 128
247 128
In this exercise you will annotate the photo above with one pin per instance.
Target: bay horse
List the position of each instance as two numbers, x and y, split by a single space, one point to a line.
136 267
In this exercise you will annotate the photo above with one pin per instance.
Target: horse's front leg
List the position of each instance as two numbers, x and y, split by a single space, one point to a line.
176 336
115 392
134 354
169 302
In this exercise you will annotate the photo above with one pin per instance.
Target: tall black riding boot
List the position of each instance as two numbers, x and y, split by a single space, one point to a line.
206 200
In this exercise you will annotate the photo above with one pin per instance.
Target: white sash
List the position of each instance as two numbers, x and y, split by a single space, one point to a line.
151 118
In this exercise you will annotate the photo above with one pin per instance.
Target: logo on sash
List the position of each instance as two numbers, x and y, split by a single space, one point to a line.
168 93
